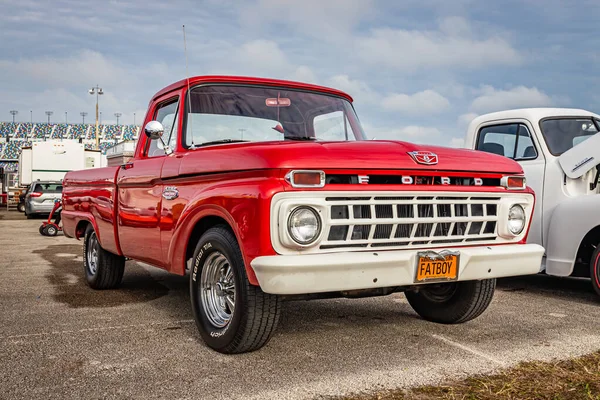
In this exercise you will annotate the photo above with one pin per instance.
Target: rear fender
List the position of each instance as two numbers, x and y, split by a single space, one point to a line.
570 223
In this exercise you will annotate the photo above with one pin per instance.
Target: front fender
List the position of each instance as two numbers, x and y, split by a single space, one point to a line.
571 221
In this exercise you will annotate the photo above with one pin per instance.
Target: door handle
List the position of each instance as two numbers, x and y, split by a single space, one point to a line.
128 165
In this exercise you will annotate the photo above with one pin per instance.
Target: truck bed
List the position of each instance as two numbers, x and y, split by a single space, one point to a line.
91 195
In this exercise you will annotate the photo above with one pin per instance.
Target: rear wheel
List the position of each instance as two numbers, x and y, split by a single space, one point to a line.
452 303
103 269
595 270
231 315
41 229
21 207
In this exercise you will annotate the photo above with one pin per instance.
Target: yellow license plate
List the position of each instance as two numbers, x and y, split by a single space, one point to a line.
437 266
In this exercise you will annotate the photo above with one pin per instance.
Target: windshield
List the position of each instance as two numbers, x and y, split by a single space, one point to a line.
565 133
238 113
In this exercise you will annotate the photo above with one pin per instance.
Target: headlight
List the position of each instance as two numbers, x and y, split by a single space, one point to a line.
516 219
304 225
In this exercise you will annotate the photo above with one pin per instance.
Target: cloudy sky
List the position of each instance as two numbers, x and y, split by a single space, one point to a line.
419 70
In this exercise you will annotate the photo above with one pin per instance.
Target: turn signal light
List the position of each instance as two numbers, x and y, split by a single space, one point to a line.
306 178
514 182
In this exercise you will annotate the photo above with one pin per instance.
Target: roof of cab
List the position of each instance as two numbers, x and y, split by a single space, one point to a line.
250 81
532 114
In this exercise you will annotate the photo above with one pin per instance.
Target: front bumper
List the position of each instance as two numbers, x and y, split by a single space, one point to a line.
332 272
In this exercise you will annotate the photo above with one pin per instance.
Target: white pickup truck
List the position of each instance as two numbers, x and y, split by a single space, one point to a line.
559 150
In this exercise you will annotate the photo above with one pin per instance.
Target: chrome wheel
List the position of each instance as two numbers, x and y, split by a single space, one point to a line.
92 253
217 289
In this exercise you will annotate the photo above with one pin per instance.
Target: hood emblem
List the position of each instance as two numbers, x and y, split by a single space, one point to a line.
170 193
424 157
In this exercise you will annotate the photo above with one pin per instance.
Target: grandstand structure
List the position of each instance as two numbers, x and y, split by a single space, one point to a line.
14 136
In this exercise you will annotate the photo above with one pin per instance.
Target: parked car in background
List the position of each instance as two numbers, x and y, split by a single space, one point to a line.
559 150
40 197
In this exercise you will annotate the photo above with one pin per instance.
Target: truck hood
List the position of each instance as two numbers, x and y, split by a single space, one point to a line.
372 154
578 160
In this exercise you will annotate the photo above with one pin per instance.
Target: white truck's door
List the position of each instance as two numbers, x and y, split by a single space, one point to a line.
514 139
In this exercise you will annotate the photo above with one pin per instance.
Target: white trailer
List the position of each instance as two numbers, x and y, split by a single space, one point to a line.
51 160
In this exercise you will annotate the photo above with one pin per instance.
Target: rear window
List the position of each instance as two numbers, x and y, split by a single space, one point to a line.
47 188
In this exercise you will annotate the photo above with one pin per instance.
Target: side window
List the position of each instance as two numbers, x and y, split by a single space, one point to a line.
509 140
332 126
166 114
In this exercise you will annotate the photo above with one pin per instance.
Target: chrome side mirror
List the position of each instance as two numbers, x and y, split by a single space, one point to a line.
154 130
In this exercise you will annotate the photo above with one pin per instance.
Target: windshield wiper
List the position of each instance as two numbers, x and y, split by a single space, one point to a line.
300 138
220 142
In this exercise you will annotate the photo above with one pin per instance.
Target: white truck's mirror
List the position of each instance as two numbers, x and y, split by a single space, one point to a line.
154 130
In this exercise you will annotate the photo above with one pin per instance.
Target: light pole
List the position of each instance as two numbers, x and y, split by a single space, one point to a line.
83 114
100 117
98 92
66 121
13 113
31 116
49 113
118 115
133 118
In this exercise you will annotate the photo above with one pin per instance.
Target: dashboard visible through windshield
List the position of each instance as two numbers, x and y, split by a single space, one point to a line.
225 114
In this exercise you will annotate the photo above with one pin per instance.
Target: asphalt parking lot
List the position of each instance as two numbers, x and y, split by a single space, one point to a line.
59 339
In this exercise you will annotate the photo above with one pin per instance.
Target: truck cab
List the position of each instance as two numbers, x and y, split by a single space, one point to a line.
558 151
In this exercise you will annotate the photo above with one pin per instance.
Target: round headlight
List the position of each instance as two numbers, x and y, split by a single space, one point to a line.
516 219
304 225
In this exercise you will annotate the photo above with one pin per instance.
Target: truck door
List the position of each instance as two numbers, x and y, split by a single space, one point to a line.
514 140
141 193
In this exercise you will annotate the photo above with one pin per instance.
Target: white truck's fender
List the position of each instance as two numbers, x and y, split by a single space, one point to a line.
571 220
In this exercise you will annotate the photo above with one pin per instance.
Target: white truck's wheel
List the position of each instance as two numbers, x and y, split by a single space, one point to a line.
595 270
102 269
452 303
231 315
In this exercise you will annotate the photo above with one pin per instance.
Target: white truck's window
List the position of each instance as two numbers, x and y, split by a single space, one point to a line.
222 114
562 134
167 116
509 140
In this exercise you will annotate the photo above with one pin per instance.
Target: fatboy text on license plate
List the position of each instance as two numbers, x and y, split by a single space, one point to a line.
434 266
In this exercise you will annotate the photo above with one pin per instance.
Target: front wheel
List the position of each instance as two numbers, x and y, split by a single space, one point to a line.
452 303
232 315
50 230
21 207
595 270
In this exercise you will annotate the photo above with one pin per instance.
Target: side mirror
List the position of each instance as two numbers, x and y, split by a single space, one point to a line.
154 130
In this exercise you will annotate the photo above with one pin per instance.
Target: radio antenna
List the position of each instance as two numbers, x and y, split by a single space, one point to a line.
189 96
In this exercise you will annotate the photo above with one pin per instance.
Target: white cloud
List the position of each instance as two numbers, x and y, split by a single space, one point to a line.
411 133
465 119
327 20
492 99
457 142
420 103
410 50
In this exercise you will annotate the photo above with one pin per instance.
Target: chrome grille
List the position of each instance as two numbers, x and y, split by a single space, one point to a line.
388 221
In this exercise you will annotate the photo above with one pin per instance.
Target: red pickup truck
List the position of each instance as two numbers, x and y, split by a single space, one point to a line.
267 190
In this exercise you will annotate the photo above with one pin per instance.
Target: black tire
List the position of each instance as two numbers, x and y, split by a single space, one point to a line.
255 314
109 267
595 270
21 207
452 303
41 230
50 230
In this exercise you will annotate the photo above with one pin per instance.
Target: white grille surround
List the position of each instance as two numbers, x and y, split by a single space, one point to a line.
394 220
